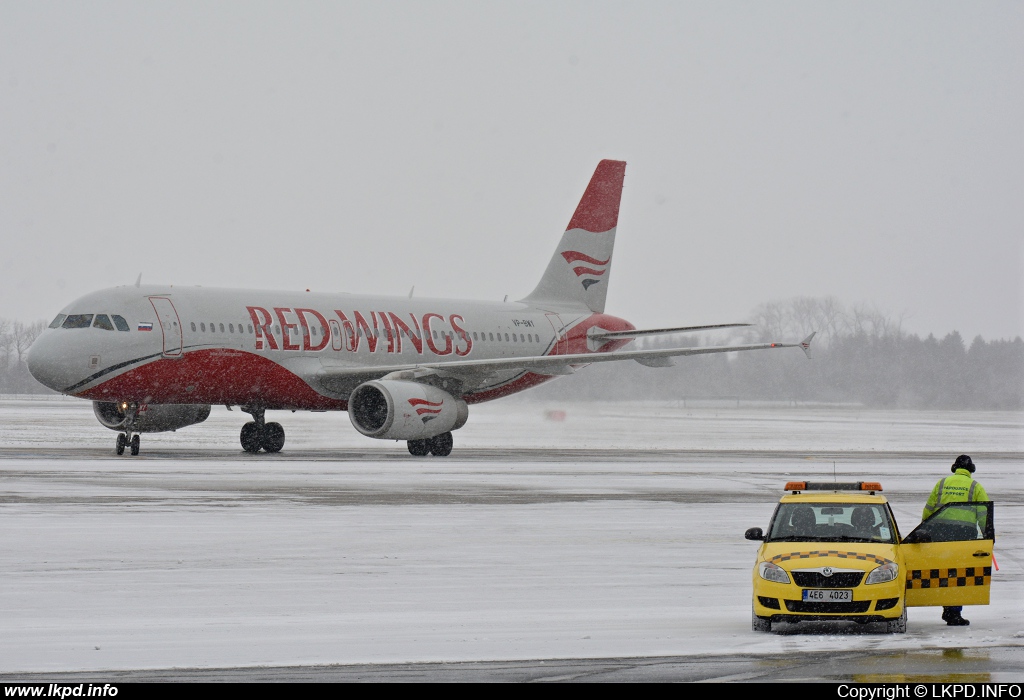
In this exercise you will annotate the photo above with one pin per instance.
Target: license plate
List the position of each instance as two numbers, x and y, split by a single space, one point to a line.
828 595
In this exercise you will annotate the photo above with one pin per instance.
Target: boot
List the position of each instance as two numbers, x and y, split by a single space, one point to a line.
953 617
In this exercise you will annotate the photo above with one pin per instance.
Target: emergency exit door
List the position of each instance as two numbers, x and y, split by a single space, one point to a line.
170 325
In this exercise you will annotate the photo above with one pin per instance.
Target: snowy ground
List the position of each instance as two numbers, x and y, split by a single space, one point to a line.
615 532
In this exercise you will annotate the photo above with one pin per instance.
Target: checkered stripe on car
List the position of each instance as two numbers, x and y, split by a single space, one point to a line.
949 578
813 554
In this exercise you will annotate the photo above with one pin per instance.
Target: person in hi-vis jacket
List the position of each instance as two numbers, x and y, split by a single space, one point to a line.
961 487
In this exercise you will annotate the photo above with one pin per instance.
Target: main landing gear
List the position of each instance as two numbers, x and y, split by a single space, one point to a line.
258 434
127 439
439 446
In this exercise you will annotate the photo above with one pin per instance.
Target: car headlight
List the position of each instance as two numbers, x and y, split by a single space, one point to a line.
772 572
884 573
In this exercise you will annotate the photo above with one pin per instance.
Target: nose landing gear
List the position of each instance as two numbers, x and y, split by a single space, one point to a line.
127 438
258 434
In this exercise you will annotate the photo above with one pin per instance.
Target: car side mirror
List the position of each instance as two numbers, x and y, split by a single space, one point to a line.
754 533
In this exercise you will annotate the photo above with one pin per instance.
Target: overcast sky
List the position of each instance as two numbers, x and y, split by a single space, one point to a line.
869 150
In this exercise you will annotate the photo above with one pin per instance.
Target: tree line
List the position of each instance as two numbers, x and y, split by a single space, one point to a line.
860 356
15 339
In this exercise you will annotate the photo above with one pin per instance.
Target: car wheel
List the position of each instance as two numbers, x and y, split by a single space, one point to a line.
760 624
898 625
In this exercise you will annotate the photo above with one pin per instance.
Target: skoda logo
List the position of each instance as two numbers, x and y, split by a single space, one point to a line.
826 571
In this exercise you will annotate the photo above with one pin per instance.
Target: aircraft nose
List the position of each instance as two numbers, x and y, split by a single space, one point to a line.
44 362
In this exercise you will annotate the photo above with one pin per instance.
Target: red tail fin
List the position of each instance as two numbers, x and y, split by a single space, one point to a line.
590 238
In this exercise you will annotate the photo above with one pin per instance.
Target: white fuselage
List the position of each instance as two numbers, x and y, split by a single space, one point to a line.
195 345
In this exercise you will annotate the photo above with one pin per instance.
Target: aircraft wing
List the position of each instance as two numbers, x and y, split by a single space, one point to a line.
552 365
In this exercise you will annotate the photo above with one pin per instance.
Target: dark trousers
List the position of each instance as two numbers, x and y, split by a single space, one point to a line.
952 611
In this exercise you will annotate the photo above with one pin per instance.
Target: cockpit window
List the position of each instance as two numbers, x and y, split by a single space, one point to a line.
119 321
57 321
103 321
77 321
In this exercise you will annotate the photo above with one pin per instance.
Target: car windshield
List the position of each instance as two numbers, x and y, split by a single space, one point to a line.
831 522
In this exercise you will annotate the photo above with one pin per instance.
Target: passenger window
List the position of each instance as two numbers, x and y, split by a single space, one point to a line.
506 337
57 321
193 326
231 328
491 336
103 321
77 321
202 327
250 328
222 328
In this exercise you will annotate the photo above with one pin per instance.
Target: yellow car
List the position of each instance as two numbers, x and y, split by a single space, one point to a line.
833 551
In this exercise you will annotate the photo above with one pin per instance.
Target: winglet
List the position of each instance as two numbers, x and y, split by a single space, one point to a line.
138 280
805 344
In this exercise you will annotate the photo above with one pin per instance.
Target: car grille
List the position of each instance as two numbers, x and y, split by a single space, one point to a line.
857 606
814 579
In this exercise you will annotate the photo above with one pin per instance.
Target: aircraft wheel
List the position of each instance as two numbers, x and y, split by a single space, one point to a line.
441 445
418 448
135 445
250 437
121 442
273 437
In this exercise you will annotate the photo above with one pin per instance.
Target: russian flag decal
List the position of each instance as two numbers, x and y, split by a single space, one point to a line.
145 326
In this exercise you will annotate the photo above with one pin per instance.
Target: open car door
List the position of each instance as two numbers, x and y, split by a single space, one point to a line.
949 556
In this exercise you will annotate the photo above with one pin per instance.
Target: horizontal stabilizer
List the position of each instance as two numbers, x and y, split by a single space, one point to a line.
617 335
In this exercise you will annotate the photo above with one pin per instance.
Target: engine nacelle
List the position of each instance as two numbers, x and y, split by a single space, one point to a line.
393 409
151 419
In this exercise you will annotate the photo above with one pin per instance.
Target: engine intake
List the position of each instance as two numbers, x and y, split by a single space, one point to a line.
151 419
393 409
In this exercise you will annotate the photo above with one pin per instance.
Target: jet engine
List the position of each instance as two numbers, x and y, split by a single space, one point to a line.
394 409
151 419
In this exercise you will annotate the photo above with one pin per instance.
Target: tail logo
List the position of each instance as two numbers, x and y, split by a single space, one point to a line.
426 410
588 267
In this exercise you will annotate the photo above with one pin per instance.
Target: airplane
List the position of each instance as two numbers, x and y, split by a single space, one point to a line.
157 358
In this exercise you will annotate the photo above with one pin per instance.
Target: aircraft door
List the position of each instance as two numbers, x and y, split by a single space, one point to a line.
949 556
336 337
561 345
170 325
